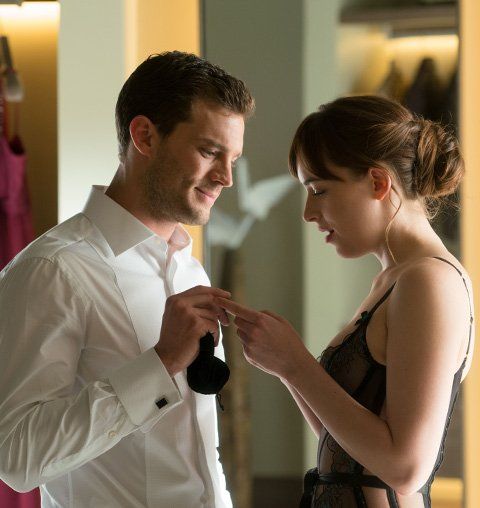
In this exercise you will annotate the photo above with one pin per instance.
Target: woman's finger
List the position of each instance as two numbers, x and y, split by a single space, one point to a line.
244 325
243 336
272 314
237 310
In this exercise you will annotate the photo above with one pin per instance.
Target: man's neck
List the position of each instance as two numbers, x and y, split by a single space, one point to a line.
127 194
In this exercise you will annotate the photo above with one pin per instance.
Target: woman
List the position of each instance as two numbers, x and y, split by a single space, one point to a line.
381 395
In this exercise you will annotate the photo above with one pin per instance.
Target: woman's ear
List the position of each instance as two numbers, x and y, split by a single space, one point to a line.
381 182
142 134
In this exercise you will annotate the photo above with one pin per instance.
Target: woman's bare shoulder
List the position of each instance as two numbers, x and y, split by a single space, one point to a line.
430 288
425 266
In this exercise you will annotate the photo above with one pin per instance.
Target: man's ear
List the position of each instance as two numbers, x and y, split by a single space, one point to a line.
381 182
142 134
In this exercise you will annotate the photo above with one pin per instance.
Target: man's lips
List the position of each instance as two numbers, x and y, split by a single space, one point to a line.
211 195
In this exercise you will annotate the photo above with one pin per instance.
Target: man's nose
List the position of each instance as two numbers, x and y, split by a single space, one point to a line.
223 174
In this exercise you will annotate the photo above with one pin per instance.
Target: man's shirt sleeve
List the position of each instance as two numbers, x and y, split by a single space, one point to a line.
50 423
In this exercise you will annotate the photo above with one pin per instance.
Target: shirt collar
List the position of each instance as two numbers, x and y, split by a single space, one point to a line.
122 230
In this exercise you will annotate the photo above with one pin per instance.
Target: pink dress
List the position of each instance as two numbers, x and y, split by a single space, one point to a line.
16 231
11 499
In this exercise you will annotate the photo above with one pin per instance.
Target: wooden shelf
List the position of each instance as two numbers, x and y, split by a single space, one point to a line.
419 17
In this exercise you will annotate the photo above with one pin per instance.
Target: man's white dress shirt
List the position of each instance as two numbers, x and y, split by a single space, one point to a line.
87 409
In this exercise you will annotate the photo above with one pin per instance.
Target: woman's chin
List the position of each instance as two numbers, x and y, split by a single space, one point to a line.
347 253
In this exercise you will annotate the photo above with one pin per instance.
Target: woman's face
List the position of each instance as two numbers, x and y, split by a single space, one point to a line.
346 211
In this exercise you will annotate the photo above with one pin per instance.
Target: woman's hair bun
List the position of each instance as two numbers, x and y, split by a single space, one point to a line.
439 167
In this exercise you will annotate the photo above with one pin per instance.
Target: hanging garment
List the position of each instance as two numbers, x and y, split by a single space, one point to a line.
393 85
450 103
447 223
424 95
16 232
11 499
16 229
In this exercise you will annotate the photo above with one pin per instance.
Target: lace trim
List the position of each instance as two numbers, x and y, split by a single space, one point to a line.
341 461
328 496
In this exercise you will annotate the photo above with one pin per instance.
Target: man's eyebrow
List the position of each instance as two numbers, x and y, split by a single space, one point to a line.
211 142
215 144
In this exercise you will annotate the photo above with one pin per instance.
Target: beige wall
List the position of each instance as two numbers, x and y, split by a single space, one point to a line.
470 134
153 26
32 31
91 71
261 43
96 54
333 286
161 25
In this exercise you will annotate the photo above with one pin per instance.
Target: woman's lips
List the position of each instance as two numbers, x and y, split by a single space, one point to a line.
330 232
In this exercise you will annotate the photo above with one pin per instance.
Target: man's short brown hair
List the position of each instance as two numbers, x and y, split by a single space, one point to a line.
163 87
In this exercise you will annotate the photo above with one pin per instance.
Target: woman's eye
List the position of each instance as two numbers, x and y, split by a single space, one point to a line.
317 192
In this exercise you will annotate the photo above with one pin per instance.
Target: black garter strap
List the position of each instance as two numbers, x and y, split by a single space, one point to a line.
312 479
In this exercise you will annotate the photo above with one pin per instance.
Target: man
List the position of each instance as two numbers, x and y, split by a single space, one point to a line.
94 403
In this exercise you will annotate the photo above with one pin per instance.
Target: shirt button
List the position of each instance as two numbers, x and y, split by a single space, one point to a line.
112 434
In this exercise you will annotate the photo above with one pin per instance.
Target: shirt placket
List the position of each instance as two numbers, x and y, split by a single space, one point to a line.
208 496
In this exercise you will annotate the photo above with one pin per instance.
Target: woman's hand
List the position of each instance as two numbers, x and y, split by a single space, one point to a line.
269 341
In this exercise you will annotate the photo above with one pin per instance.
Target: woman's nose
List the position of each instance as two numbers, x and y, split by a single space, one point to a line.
309 213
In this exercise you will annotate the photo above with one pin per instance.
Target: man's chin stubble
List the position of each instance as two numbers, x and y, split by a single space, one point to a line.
187 217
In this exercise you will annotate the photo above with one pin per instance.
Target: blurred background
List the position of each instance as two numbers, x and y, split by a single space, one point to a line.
63 64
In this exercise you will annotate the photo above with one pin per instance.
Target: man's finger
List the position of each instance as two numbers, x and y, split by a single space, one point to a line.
207 314
206 290
237 310
211 325
223 318
200 302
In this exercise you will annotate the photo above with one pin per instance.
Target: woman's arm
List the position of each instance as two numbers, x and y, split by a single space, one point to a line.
308 414
427 322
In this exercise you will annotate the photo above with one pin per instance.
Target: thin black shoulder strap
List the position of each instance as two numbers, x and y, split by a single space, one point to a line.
367 314
384 297
469 300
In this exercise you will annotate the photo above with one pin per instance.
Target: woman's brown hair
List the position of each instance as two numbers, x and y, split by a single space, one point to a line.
361 132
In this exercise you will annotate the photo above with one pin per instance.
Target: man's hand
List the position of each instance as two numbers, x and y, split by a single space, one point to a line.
187 318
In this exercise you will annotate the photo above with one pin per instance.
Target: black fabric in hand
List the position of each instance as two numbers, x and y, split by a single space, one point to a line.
207 374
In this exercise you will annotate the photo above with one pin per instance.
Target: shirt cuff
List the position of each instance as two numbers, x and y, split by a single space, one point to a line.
145 388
